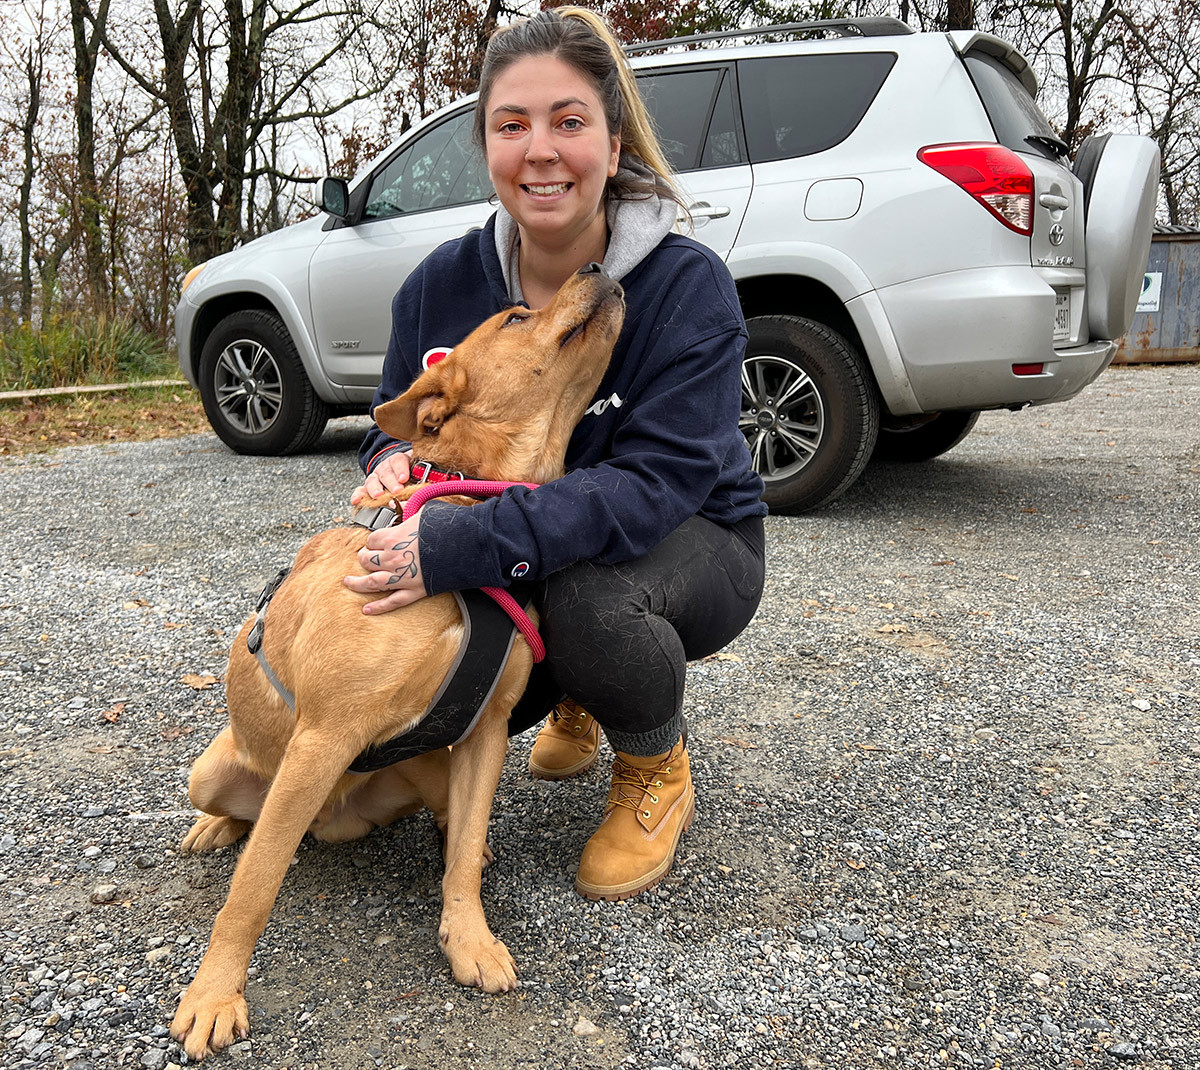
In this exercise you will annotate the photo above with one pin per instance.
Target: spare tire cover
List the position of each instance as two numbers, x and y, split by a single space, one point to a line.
1121 198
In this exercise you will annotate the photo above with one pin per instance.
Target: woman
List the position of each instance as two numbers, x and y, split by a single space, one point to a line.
649 552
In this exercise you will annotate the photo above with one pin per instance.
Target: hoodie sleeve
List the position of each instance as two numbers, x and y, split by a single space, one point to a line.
673 442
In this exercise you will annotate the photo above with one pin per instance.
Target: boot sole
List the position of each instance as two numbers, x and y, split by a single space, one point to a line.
616 894
542 772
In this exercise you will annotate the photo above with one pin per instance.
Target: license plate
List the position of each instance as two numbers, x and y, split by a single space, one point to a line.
1062 317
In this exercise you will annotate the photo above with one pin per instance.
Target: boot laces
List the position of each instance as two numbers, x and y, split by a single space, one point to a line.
630 785
569 711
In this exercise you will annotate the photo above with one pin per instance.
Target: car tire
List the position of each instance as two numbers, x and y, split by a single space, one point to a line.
810 411
256 393
924 440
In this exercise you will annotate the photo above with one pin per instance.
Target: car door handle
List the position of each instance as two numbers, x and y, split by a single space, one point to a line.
1053 201
704 210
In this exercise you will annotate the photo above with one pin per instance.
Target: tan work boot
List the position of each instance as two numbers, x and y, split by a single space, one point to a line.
567 745
650 805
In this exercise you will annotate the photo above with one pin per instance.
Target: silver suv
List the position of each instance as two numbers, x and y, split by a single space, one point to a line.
910 243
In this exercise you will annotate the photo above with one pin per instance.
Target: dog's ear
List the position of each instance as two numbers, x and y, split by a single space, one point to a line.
426 405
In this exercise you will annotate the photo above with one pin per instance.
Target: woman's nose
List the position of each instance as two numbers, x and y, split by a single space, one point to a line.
539 148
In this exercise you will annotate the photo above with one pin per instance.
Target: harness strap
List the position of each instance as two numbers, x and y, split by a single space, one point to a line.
254 641
484 488
488 637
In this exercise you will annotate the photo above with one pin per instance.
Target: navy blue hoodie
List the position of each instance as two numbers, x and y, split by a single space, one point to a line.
659 443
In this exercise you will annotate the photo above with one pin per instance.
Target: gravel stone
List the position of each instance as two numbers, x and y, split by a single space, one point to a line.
896 828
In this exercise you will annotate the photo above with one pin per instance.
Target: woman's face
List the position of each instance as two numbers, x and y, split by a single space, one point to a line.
549 152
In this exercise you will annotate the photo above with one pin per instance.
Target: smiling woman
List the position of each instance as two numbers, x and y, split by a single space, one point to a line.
648 553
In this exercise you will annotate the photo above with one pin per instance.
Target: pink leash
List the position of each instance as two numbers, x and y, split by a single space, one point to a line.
483 488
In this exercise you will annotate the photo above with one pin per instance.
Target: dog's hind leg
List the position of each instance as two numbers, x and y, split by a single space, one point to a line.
476 956
213 1009
229 794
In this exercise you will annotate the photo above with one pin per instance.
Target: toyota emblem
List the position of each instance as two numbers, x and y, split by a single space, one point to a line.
1057 234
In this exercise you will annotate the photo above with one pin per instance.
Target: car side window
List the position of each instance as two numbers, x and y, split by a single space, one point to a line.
682 103
441 169
721 148
799 105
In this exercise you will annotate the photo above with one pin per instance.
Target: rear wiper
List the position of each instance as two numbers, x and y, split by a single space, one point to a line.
1045 141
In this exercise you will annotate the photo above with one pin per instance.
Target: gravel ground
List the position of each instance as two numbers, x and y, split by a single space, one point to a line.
947 782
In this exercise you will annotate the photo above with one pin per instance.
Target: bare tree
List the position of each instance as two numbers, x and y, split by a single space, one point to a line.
25 73
1160 61
213 55
86 30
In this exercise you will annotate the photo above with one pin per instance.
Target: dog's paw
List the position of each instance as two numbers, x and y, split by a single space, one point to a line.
207 1023
482 962
210 832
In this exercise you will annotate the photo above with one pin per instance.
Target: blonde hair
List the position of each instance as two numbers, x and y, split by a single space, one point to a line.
583 40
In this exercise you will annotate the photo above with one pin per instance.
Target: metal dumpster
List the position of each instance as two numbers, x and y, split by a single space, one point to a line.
1166 326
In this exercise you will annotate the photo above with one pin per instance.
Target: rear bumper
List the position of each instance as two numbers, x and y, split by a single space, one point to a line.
960 334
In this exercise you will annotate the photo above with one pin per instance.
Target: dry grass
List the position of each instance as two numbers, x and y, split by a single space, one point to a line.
40 425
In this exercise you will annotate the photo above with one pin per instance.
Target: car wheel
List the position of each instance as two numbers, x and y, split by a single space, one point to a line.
255 391
924 439
810 411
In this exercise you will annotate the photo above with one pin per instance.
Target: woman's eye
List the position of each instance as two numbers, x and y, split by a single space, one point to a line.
573 124
510 128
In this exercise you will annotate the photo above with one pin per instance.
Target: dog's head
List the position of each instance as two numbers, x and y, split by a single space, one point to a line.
503 404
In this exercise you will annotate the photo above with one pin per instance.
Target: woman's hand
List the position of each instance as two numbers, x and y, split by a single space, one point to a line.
392 560
389 475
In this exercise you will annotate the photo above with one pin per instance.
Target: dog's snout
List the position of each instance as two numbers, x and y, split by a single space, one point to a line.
592 269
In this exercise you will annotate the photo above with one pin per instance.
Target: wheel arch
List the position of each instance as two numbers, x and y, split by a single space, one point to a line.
787 294
798 295
240 299
216 309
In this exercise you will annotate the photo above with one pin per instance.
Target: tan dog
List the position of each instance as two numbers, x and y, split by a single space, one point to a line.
501 406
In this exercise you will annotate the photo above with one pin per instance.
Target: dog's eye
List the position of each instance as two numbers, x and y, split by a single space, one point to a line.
514 317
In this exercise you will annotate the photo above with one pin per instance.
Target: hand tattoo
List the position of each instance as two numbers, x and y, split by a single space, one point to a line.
409 569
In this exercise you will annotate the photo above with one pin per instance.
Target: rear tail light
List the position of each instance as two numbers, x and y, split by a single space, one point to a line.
995 176
1028 369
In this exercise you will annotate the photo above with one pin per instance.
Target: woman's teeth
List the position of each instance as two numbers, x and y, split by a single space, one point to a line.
547 191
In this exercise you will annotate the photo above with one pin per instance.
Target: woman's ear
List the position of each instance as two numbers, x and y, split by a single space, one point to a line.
614 156
426 405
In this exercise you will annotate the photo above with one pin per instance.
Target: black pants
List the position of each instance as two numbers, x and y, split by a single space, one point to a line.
619 637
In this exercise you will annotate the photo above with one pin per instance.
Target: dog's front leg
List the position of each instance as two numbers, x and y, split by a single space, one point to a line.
213 1009
476 956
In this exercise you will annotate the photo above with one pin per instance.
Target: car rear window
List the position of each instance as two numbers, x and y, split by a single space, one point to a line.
798 105
1014 114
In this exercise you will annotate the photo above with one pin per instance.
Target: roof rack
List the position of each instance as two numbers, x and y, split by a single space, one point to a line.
865 27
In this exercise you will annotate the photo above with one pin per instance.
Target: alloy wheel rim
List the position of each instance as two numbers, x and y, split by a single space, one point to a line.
783 415
248 386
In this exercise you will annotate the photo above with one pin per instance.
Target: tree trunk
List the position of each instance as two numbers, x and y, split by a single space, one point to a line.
33 72
86 49
960 14
194 163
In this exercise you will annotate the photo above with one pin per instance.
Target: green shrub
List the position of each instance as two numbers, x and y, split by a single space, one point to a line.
73 352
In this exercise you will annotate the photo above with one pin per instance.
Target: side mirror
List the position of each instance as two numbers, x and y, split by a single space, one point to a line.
333 196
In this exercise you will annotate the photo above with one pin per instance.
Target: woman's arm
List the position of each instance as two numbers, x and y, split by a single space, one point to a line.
671 447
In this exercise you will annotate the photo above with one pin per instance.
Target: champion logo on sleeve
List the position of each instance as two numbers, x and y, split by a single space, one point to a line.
435 355
597 408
